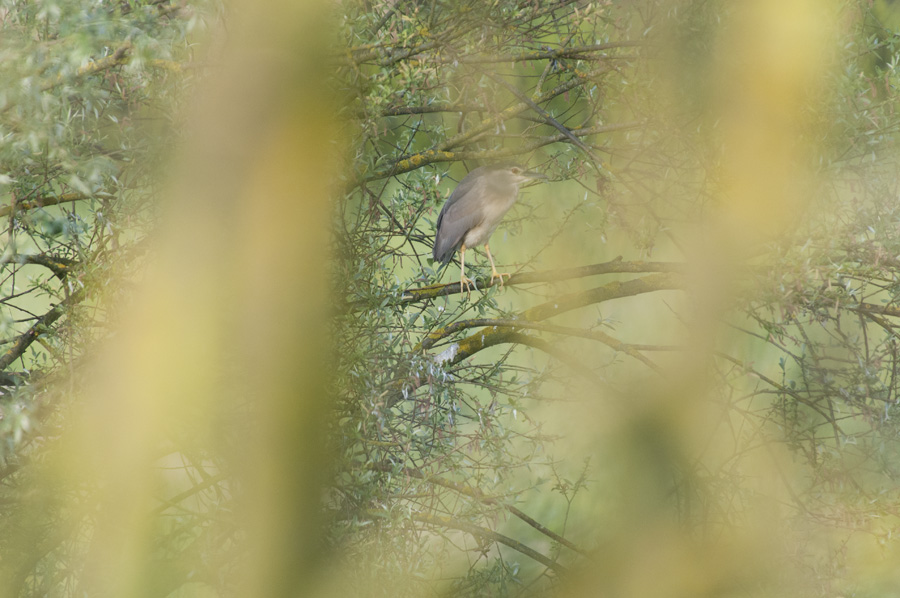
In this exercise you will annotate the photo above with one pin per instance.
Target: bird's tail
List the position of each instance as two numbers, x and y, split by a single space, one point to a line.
439 273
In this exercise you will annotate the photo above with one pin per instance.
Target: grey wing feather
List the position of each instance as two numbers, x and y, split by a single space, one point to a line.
459 215
469 181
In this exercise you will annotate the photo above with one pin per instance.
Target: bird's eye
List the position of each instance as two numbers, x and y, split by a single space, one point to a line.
516 170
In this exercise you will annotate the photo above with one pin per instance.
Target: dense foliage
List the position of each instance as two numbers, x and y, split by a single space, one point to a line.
90 95
450 403
88 102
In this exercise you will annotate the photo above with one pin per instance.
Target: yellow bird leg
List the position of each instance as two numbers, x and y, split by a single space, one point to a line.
463 280
494 273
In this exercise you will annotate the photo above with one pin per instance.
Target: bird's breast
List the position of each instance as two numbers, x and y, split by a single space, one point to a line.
494 212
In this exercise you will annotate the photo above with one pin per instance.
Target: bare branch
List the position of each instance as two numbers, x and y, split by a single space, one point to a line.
596 335
476 493
41 202
370 51
487 534
882 310
29 336
614 290
616 266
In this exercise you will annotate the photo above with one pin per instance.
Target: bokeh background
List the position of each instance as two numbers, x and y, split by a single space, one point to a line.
230 367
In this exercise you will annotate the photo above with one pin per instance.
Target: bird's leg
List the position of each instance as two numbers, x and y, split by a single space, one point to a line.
463 280
494 273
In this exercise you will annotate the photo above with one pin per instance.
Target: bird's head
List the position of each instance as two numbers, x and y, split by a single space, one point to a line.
513 174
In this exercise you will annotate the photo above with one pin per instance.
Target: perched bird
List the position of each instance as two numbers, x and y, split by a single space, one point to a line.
474 210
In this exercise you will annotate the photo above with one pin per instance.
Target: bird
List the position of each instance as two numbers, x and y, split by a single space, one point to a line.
472 213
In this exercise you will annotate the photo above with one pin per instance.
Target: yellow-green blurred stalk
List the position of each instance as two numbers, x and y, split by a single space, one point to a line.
226 350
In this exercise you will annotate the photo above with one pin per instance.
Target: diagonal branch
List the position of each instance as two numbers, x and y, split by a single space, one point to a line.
427 157
882 310
596 335
445 152
509 112
546 115
29 336
497 335
50 200
616 266
577 52
509 336
475 493
781 388
361 54
487 534
60 266
120 56
613 290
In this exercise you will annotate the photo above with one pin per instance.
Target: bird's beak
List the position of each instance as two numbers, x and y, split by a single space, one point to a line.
531 174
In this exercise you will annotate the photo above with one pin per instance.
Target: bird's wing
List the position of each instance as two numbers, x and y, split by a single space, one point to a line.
465 185
460 214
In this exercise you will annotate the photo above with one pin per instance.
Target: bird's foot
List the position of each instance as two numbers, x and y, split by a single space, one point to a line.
468 283
500 275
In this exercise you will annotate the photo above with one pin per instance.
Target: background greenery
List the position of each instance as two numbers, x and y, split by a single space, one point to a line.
231 368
